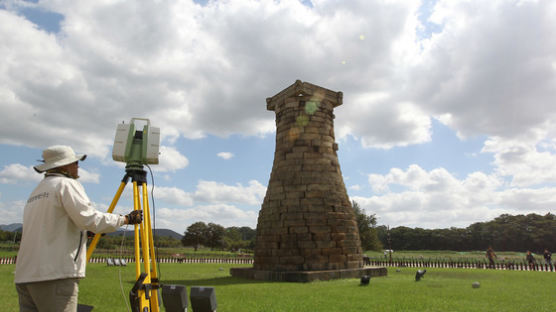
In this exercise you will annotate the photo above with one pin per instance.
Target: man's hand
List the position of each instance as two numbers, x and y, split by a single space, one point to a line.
92 234
134 217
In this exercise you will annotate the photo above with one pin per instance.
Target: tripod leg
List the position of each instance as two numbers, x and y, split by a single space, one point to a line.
143 293
148 229
95 240
145 231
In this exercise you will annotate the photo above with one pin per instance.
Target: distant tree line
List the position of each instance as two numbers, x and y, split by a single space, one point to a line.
218 237
8 236
504 233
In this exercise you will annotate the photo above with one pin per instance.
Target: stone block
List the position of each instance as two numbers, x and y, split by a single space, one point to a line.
354 264
301 149
339 236
306 244
292 260
325 244
291 202
332 251
347 244
316 266
298 229
337 258
294 222
351 250
303 236
319 229
277 196
314 194
310 252
295 195
318 187
315 221
288 237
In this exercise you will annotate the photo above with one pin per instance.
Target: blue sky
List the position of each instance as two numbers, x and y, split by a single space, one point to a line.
447 118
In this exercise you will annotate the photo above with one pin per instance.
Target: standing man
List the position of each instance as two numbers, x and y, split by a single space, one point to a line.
52 253
530 260
547 257
491 256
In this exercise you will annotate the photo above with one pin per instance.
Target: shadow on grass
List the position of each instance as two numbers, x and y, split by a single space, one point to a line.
462 275
217 281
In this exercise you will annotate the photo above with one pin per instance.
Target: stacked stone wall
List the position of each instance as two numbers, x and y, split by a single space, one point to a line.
306 222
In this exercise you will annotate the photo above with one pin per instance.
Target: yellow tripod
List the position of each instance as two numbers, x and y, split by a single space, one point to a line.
144 294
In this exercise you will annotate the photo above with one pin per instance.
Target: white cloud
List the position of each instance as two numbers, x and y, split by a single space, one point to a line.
523 160
170 159
17 173
207 192
415 178
223 214
370 114
173 195
491 74
12 212
225 155
438 199
189 72
215 192
90 177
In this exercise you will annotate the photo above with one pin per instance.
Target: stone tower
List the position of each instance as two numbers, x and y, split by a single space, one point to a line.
306 222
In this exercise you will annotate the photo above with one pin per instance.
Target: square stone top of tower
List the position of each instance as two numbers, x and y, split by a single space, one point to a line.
306 90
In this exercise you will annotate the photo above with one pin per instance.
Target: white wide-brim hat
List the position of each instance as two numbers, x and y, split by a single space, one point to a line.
57 156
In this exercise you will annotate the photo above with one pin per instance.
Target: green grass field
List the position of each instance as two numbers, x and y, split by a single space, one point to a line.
439 290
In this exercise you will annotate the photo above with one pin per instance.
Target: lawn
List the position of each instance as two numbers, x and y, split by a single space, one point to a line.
439 290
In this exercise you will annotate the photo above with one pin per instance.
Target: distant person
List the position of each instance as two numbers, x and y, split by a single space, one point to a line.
491 256
530 259
52 253
547 257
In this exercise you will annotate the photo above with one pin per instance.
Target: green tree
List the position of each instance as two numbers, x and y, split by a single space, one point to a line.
195 235
367 229
504 233
233 239
214 236
247 233
236 238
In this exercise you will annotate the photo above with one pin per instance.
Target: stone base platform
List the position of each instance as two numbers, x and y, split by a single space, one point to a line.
306 276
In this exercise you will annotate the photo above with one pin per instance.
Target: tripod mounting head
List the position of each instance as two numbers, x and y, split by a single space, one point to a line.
135 147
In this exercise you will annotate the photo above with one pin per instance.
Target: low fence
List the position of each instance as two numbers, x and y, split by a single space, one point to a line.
411 263
418 263
11 260
184 260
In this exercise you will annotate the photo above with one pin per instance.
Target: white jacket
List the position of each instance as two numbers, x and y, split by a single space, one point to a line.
55 220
